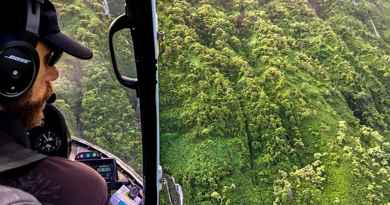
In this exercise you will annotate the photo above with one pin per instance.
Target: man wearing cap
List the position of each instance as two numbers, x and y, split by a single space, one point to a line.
51 180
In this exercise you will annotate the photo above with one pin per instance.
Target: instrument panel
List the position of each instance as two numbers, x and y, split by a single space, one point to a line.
106 167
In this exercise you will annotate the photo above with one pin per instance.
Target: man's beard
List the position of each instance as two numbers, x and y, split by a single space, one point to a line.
28 112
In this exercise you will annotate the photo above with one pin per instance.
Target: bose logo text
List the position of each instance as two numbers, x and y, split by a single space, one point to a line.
19 59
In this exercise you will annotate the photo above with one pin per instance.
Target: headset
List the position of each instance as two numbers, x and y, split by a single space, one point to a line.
19 61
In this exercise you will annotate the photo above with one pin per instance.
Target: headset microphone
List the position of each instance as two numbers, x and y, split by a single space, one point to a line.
52 98
19 61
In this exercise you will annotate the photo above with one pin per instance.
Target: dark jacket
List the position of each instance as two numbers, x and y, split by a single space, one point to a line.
52 180
14 144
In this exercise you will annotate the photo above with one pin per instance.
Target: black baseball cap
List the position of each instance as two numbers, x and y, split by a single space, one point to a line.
13 22
50 32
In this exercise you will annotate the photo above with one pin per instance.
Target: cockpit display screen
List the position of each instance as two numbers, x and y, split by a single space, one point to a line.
105 167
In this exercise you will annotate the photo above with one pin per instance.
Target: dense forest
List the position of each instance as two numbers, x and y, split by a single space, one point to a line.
96 107
262 102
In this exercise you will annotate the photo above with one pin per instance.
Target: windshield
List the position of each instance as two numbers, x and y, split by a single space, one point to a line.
97 108
261 102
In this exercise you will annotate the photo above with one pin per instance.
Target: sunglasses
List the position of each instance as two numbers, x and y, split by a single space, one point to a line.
54 56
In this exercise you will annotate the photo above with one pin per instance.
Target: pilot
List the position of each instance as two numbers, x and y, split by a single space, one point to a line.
27 70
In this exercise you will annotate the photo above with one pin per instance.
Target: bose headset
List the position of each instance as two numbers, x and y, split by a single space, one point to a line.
19 61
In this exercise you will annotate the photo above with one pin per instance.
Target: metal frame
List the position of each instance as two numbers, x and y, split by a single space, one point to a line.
141 19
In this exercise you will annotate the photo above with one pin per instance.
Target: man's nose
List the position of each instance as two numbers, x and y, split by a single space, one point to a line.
52 74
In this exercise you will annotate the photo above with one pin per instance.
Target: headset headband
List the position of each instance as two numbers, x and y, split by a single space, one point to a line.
33 18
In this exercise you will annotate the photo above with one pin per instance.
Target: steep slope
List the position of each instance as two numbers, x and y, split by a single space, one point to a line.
283 102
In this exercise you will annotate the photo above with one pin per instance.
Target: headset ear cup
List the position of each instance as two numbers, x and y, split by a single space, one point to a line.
19 67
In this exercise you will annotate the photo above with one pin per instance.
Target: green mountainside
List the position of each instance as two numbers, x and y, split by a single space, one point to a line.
276 101
96 107
262 102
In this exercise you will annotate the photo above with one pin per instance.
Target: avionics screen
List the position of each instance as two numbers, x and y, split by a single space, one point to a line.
105 167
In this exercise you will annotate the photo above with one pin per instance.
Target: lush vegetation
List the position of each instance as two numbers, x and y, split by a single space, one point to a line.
262 102
276 101
97 107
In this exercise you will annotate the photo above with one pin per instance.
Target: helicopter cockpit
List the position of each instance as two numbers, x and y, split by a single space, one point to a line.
260 101
126 185
53 139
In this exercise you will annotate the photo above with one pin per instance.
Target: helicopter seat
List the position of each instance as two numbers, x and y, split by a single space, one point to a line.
12 196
